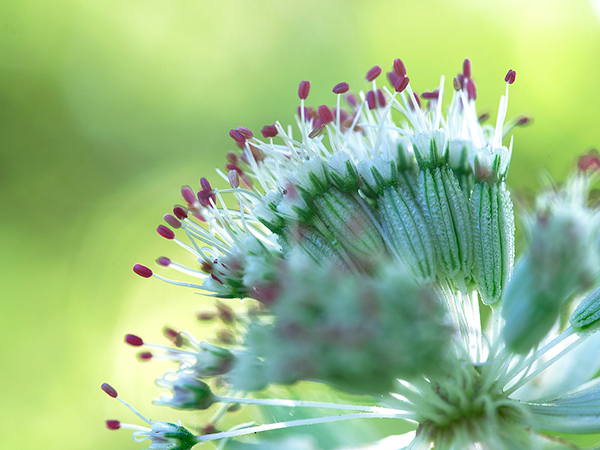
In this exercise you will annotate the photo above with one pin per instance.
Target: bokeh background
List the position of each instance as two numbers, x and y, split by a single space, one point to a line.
107 107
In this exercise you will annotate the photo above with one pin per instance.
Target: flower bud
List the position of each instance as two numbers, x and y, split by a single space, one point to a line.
344 218
408 233
189 392
493 225
562 261
587 312
447 213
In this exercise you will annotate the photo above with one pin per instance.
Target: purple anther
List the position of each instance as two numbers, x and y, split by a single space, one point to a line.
234 179
510 76
165 232
415 101
381 98
269 131
303 89
482 118
524 120
133 340
180 212
246 132
325 114
589 162
471 90
467 68
206 194
206 316
163 261
373 73
144 356
237 137
371 101
109 390
431 95
392 78
142 271
306 113
351 100
188 195
401 83
172 220
315 132
113 424
399 68
457 84
341 88
232 157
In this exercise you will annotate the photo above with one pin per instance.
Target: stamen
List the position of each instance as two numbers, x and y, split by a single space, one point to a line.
399 68
133 340
172 220
109 390
401 84
237 137
246 132
269 131
142 271
373 73
113 424
371 101
471 90
341 88
325 114
180 212
510 76
188 195
303 89
165 232
163 261
467 68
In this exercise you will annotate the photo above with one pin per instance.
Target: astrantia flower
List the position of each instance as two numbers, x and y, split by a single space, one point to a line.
377 241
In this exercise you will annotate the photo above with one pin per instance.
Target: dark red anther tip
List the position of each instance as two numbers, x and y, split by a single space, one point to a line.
246 132
510 76
457 84
109 390
341 88
351 99
269 131
163 261
431 95
133 340
589 162
524 120
392 78
303 89
113 424
232 157
315 132
371 101
165 232
144 356
234 179
170 333
188 195
206 316
399 68
401 83
205 184
237 136
471 90
180 212
142 271
373 73
325 114
467 68
381 98
172 220
482 118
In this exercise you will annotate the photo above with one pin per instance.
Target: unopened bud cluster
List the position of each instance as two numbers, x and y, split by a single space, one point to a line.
367 241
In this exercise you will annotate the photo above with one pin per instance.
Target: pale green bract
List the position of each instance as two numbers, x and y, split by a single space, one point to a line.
376 247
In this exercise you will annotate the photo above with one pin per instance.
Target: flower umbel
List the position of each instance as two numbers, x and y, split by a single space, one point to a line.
377 245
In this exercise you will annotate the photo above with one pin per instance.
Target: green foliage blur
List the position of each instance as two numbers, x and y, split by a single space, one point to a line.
107 107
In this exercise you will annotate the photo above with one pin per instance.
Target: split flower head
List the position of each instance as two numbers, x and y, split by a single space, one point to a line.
376 243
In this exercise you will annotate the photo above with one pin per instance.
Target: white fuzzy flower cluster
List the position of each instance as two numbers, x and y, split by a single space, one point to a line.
376 246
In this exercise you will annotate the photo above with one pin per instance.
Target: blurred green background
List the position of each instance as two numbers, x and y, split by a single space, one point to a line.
108 106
